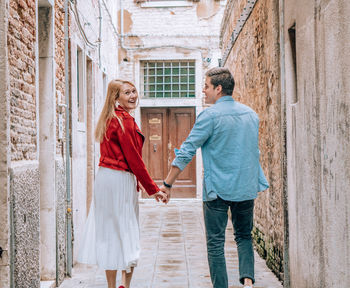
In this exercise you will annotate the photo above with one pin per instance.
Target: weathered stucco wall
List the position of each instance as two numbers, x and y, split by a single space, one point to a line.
4 150
61 218
94 67
318 134
24 187
254 62
172 31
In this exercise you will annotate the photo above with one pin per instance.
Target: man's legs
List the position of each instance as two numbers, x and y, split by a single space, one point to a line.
242 220
215 219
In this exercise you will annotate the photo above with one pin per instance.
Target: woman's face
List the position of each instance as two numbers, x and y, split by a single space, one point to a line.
128 97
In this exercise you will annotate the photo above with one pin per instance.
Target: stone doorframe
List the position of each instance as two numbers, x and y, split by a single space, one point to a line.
164 55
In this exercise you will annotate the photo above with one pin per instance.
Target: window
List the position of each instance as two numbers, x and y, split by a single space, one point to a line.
80 86
293 49
104 78
170 79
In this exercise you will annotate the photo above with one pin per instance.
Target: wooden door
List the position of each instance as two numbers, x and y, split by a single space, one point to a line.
164 130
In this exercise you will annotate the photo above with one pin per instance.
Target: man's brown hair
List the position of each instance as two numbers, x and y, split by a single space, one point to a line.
221 76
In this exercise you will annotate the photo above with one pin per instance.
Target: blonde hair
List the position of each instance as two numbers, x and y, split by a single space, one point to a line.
108 110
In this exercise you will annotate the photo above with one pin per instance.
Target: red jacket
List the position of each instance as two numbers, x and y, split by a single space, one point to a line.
122 150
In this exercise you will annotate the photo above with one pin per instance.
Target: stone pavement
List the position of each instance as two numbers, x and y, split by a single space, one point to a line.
174 252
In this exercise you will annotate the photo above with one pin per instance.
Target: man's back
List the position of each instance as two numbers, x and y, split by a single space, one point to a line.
231 153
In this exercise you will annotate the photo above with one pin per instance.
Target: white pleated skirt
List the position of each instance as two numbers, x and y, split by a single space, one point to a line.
112 236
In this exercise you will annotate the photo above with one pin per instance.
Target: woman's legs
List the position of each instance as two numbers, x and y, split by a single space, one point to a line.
126 278
111 276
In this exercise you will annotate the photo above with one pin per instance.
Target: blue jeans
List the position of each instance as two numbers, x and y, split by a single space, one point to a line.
215 219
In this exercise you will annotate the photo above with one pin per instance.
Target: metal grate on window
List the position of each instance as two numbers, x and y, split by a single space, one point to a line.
170 79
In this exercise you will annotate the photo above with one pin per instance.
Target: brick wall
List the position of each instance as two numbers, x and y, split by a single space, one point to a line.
21 52
60 63
254 61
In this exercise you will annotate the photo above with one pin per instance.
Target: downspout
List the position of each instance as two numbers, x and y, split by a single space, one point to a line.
286 280
99 33
68 170
121 24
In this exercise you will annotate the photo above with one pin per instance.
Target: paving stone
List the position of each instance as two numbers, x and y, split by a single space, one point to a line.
174 252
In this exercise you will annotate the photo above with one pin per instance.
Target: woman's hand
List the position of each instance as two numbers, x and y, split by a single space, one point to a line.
161 196
166 190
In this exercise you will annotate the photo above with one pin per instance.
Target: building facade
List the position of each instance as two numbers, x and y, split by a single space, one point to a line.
44 193
165 49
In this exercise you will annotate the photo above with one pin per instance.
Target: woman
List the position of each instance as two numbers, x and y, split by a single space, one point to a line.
111 238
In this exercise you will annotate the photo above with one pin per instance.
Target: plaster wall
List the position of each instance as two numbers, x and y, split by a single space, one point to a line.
94 66
25 198
318 137
47 142
60 208
4 150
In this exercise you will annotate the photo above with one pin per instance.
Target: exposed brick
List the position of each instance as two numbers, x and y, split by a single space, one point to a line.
21 51
22 4
255 66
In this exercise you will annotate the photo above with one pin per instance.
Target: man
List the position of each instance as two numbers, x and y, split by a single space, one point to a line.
227 132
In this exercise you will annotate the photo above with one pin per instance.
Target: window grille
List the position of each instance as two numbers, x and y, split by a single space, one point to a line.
168 79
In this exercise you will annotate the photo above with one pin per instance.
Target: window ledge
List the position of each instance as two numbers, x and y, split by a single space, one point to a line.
165 4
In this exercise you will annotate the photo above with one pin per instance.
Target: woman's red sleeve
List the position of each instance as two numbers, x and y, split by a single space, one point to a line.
134 159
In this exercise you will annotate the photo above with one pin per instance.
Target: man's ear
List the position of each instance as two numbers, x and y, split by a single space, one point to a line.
219 89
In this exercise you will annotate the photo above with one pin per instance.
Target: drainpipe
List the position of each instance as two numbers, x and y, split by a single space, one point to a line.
68 170
121 24
286 280
99 33
12 241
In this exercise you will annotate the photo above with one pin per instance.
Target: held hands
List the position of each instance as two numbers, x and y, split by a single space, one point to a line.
161 196
167 191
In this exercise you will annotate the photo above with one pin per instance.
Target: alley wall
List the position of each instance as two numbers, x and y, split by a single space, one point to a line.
4 150
317 61
24 167
254 62
92 65
33 171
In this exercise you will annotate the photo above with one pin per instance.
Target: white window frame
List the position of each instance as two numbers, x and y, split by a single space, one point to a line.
162 66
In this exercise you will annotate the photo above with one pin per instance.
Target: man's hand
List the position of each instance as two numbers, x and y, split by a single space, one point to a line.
161 196
167 191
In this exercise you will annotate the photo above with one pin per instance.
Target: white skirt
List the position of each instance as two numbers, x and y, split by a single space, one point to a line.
112 236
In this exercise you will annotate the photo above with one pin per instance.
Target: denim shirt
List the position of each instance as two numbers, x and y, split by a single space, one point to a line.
228 134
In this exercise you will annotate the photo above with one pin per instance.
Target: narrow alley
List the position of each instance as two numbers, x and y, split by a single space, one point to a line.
288 63
173 252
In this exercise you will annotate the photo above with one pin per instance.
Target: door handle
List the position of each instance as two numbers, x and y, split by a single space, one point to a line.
154 147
